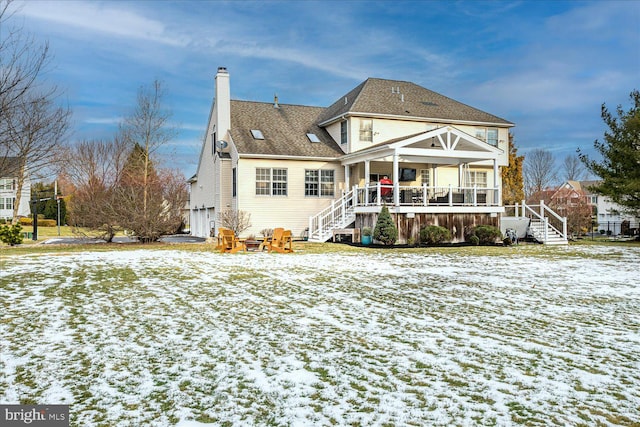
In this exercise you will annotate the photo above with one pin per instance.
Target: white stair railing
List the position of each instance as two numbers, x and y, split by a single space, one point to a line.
542 217
337 215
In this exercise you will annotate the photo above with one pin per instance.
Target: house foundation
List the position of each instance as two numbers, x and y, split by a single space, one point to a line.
409 224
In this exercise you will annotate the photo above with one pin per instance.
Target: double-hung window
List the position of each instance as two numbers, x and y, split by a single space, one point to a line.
366 130
488 135
6 184
319 183
478 179
343 132
271 182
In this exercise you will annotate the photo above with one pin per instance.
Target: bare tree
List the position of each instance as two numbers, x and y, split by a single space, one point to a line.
32 126
539 171
151 199
235 220
36 129
93 170
573 168
148 127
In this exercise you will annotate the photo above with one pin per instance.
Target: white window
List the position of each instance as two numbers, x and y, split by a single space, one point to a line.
425 178
6 203
271 182
319 183
477 179
343 132
488 135
6 184
366 130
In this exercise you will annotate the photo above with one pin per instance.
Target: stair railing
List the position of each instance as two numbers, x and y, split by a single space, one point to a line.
333 216
542 216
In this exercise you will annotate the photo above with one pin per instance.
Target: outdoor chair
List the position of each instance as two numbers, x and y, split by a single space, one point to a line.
228 242
282 241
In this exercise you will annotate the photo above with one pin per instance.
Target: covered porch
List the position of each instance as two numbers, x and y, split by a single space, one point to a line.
443 157
443 192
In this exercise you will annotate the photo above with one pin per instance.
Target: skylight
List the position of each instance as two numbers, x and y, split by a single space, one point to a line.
257 134
313 137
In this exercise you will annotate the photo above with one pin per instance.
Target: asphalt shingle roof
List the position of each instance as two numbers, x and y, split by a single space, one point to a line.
284 128
401 98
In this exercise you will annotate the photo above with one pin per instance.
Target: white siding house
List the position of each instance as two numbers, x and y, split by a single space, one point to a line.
295 166
8 190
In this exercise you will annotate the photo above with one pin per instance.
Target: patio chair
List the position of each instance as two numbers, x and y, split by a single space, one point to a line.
228 242
282 241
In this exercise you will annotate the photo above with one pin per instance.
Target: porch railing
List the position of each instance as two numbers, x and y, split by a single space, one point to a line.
379 194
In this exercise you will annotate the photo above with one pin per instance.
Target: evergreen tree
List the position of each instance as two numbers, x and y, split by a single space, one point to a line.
385 231
620 150
512 178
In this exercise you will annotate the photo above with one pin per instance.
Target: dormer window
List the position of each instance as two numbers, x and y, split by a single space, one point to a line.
313 137
257 134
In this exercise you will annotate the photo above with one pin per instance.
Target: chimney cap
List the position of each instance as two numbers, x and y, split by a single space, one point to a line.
222 69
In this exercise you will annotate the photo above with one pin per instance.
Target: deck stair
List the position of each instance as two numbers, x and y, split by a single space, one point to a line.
547 235
540 226
340 214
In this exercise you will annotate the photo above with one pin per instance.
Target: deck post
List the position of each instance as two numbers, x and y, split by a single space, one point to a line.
424 195
450 195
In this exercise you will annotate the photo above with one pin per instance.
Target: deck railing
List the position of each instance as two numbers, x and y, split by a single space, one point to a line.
379 194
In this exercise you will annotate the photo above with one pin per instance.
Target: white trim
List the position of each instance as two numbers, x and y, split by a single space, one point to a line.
414 119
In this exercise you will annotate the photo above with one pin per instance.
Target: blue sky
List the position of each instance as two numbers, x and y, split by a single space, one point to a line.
547 66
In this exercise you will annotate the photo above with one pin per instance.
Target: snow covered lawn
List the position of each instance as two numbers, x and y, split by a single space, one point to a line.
401 337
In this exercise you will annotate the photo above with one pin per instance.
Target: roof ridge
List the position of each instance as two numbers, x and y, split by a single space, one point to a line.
279 103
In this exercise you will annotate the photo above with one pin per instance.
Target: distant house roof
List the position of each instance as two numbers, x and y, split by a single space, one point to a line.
284 129
406 99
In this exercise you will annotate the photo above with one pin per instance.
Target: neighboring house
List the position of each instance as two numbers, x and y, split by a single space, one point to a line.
609 216
314 169
8 191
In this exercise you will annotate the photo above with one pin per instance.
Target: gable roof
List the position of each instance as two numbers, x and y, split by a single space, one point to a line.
284 128
400 98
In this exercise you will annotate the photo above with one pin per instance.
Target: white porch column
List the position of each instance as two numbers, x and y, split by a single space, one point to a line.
498 188
347 178
435 176
460 174
396 176
367 171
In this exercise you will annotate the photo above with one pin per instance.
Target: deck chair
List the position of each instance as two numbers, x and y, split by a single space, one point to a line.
228 242
266 240
281 241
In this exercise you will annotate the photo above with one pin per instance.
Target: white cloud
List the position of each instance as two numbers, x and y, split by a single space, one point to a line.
110 18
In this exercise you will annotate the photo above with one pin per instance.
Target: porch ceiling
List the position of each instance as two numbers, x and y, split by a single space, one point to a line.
446 145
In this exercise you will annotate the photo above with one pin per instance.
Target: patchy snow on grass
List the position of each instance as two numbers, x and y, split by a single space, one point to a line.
434 337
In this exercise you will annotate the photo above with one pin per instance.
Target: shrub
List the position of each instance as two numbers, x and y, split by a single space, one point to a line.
25 221
474 240
507 241
11 234
434 234
47 222
366 231
385 231
486 234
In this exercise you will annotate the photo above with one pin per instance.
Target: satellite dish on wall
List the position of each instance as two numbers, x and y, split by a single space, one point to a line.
222 144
